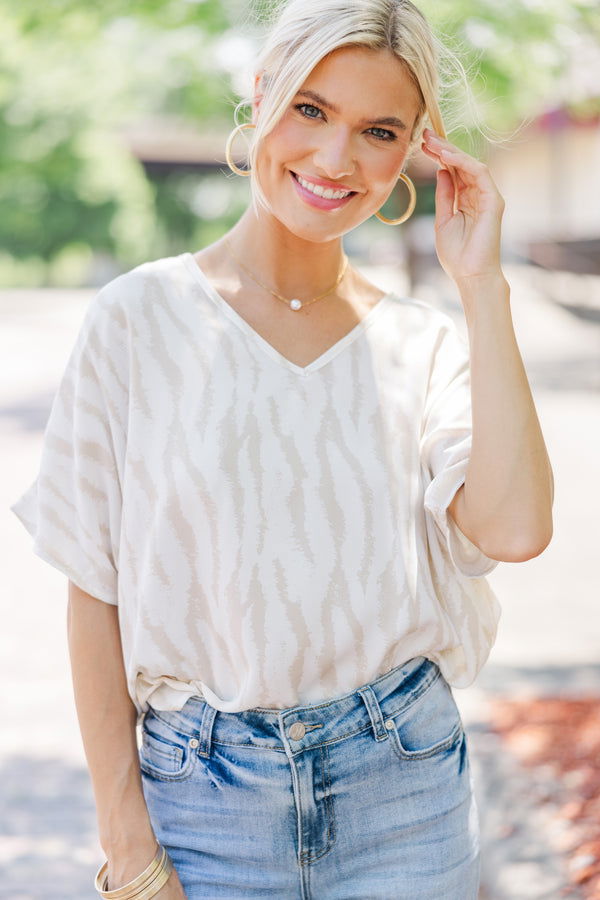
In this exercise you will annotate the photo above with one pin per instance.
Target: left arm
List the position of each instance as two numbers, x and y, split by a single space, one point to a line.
505 504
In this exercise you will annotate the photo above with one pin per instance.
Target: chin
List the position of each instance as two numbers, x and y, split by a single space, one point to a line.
310 230
309 234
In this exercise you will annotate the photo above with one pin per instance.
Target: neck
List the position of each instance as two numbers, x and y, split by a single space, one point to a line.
289 264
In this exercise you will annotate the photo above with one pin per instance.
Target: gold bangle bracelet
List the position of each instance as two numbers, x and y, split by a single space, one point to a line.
156 885
141 880
145 885
146 880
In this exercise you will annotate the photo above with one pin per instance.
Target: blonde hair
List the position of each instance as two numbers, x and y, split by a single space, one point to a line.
303 32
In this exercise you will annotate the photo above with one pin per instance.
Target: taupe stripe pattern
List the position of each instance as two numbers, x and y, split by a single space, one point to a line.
272 534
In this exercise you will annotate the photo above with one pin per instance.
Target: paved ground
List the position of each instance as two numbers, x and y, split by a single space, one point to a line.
548 641
549 635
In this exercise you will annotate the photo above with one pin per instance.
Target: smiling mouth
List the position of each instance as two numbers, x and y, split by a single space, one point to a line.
346 196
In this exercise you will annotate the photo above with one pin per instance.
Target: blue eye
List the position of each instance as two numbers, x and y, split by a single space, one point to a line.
390 136
302 106
384 136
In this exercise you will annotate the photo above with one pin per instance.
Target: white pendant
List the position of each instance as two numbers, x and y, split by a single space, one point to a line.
295 304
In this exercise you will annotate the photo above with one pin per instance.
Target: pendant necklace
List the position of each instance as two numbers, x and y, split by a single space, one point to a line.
294 303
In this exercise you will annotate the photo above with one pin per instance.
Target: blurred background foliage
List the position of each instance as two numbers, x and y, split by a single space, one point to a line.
75 76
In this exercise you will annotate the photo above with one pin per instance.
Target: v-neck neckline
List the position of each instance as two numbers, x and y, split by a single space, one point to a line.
321 360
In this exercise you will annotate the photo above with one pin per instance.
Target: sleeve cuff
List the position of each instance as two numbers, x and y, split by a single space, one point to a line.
103 588
466 556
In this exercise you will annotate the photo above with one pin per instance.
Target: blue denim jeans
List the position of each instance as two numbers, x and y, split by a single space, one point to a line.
364 796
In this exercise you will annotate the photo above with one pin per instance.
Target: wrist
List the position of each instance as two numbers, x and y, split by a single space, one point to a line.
473 284
134 838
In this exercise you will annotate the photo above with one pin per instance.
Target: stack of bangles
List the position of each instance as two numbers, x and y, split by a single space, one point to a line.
144 886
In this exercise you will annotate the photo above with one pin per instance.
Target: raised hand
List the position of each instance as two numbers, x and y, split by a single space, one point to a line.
468 215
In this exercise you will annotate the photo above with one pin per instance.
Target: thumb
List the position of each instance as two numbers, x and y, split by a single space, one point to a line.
444 196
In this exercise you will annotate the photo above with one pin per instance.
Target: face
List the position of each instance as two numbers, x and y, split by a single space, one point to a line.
333 134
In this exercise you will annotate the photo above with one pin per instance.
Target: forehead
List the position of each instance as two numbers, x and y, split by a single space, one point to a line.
353 77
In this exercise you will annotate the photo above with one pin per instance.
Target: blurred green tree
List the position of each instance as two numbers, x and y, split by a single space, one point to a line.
72 75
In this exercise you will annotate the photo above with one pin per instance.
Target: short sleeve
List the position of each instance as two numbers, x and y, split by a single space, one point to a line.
445 448
73 508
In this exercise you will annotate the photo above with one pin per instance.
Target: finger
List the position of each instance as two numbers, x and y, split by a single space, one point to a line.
432 143
464 162
458 182
429 151
433 140
472 173
444 196
453 155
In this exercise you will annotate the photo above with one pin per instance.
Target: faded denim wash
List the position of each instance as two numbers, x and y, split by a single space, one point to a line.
362 797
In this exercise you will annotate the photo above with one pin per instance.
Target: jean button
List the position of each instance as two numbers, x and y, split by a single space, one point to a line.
193 742
389 724
297 731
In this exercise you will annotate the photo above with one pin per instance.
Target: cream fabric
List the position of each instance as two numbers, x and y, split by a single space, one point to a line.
272 534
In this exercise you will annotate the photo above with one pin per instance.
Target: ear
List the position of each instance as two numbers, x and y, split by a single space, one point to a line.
257 96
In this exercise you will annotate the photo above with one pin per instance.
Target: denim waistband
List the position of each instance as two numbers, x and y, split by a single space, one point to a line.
297 728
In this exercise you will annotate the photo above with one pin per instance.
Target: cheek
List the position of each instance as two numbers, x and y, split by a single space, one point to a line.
287 142
382 172
392 162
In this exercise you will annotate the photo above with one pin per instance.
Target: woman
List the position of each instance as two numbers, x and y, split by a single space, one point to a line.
287 486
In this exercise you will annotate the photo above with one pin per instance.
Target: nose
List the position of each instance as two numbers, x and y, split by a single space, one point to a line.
334 157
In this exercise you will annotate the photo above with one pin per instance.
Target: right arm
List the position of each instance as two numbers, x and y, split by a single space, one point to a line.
107 721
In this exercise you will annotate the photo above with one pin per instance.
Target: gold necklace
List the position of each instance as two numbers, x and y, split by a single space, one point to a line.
295 303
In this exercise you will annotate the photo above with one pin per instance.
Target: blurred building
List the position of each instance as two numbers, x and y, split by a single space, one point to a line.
550 179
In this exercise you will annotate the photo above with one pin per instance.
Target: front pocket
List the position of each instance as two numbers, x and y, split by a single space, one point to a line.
429 726
166 754
445 744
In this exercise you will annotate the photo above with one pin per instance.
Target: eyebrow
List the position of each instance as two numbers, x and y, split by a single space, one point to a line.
385 120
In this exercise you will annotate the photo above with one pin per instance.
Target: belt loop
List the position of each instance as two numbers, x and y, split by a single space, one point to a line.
375 714
205 731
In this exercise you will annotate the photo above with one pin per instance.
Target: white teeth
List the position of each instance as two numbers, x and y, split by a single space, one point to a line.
320 191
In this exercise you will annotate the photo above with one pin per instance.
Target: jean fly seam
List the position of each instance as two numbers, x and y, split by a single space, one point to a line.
305 858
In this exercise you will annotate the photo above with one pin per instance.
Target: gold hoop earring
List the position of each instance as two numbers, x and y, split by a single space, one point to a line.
230 141
411 204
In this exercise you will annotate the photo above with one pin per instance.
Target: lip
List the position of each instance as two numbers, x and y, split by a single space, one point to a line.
320 202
